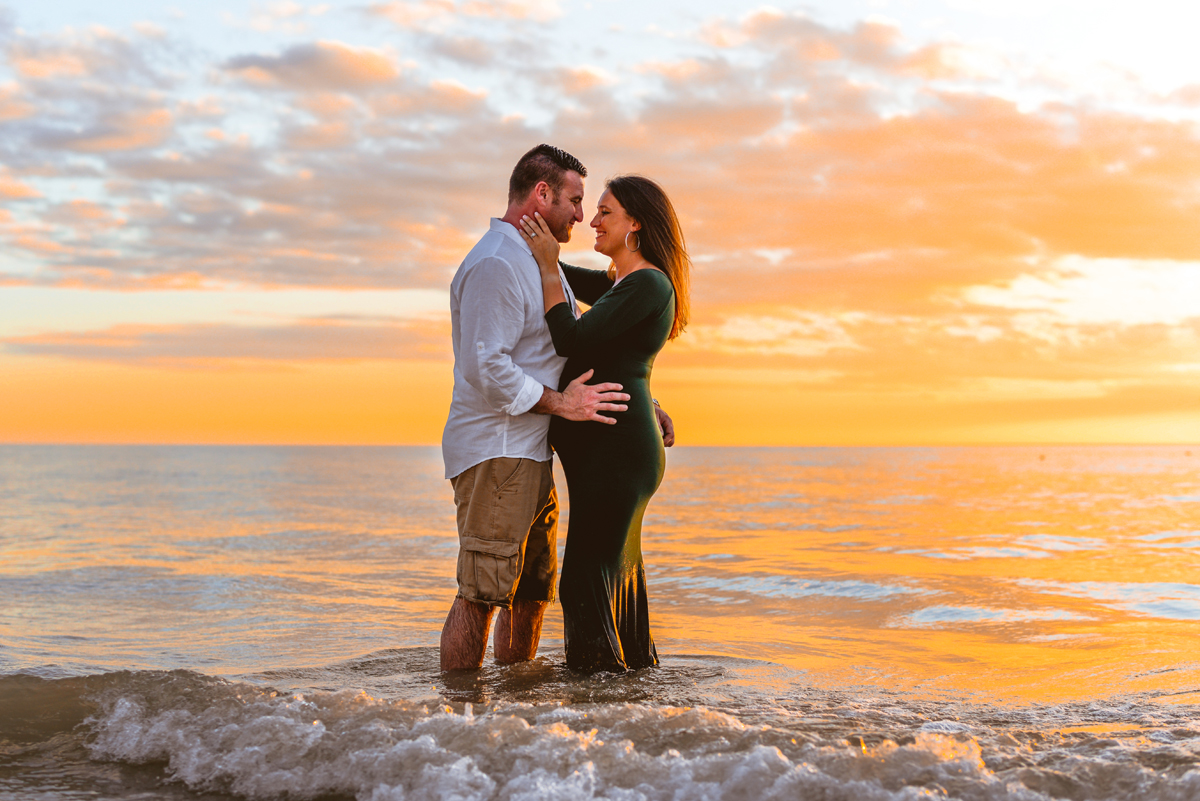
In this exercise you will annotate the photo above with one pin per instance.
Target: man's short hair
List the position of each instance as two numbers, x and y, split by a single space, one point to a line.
544 163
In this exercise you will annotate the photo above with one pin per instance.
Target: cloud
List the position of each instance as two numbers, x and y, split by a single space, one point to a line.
388 173
14 189
936 61
540 10
414 14
463 49
133 130
441 98
580 80
285 15
436 14
800 44
869 216
207 346
13 105
38 63
316 66
95 52
795 334
1188 95
1119 291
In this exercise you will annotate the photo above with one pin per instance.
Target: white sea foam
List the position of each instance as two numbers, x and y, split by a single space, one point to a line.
259 744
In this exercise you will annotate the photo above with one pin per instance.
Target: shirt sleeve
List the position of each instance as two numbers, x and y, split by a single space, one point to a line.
632 300
588 285
491 321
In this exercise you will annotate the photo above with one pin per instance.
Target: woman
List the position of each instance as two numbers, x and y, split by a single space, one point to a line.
612 471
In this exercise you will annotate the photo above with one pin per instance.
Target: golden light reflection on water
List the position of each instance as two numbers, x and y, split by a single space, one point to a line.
1038 573
1012 573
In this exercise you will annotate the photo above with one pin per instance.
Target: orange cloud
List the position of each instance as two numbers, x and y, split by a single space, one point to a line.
412 14
322 136
886 250
932 62
93 52
205 346
319 66
81 212
39 244
579 80
13 105
443 98
116 132
47 64
513 9
968 175
13 189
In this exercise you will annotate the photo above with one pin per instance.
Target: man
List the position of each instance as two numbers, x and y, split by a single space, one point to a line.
495 444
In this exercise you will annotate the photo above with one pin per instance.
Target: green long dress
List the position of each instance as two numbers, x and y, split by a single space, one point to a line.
612 470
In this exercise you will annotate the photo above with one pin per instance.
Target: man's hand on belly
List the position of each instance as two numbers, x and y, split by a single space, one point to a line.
579 401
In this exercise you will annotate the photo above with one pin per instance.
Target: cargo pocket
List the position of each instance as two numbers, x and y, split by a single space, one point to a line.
489 568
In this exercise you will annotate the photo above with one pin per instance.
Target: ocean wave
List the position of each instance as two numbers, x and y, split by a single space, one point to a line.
217 736
257 744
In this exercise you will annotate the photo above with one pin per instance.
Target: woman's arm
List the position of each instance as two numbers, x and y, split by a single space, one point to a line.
588 285
545 250
624 305
641 294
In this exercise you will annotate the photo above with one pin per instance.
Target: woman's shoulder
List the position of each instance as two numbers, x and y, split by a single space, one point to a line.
658 284
651 275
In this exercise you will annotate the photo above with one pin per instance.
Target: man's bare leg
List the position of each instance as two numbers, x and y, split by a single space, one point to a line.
518 631
464 637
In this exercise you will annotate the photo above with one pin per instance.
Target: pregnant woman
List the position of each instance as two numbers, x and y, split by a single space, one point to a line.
613 470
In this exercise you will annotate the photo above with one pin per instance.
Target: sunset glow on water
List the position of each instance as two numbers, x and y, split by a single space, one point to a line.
1002 617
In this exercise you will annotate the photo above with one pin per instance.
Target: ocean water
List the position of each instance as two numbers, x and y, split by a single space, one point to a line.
899 623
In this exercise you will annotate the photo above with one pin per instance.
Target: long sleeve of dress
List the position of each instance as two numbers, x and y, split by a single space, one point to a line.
588 285
635 298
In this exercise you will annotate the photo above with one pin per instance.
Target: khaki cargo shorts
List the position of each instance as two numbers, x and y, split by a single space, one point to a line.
507 531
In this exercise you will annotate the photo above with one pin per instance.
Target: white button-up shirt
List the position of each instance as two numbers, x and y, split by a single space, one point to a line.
503 356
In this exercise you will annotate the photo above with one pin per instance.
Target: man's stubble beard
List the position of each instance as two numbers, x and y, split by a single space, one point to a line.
562 232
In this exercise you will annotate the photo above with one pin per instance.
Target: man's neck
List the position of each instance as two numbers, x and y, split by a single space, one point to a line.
514 214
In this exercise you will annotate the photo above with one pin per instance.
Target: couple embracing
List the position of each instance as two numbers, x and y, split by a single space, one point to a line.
523 360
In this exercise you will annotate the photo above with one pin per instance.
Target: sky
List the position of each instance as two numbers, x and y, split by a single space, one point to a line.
912 222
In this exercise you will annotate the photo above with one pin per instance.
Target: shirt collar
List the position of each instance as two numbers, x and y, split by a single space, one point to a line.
510 231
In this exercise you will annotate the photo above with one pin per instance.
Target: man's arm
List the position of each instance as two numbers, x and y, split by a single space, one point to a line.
491 319
581 401
665 425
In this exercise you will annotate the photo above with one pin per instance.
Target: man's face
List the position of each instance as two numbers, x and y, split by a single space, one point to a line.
566 209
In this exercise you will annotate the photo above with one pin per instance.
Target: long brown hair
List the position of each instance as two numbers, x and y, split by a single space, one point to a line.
660 236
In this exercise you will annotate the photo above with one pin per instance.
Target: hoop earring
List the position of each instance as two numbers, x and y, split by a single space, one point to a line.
639 242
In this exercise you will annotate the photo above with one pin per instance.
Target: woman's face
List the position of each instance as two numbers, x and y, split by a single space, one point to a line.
612 225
